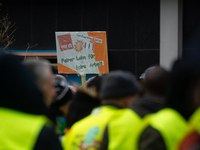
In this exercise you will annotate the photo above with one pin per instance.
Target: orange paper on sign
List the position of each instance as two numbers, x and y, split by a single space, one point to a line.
82 52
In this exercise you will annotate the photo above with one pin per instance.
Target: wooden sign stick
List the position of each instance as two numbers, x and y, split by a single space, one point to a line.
83 80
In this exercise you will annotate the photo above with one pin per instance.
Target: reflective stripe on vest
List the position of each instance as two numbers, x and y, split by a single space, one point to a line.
87 133
19 130
123 131
171 125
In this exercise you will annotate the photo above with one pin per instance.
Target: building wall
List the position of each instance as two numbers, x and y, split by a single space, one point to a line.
132 27
191 28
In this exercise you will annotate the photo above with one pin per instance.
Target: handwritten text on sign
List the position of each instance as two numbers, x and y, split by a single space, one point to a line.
82 52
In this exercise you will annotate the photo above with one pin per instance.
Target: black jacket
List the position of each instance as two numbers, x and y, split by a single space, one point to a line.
148 104
80 107
150 139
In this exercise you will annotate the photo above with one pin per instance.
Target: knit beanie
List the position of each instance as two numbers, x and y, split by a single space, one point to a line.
118 84
64 93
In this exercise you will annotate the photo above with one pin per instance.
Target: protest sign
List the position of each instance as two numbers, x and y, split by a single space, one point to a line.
82 52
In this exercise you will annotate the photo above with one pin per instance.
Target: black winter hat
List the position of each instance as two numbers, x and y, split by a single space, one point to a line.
64 93
118 84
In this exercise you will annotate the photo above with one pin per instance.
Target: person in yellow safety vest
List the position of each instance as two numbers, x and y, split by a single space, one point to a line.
23 125
83 101
191 140
165 129
118 90
121 132
153 101
153 88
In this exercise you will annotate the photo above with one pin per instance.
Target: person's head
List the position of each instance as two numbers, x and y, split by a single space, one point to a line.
61 77
17 89
95 83
184 85
60 104
142 76
154 81
119 87
73 89
43 75
84 100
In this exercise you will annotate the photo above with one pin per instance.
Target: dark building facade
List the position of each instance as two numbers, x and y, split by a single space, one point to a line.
132 27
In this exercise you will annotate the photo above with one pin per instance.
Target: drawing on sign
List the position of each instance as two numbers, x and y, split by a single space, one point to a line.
79 46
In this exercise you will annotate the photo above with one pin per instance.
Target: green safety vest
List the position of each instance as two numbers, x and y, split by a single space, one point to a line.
18 130
123 131
171 125
88 132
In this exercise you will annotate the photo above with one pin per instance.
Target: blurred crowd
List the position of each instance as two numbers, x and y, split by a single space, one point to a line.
40 110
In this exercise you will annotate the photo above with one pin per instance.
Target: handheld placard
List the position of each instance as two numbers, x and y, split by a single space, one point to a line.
82 53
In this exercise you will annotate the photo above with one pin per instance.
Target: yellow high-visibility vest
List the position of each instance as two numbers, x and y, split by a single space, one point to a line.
87 133
194 121
18 130
123 131
193 126
171 125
